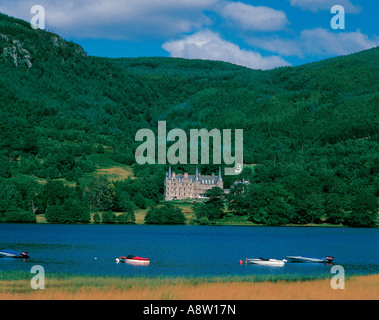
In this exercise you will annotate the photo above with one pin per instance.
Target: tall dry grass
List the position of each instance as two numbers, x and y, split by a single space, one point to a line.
97 288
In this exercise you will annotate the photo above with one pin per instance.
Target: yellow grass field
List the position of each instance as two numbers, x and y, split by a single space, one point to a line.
99 288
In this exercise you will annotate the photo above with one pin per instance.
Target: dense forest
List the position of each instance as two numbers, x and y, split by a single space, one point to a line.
312 133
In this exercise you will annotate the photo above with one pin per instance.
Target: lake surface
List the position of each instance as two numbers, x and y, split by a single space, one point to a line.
186 250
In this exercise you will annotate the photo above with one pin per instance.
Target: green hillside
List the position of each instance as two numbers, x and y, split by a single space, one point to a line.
67 117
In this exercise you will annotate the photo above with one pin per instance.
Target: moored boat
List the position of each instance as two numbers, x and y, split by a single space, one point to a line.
133 259
266 262
303 259
9 253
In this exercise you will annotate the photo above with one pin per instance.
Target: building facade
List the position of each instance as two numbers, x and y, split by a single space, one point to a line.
185 186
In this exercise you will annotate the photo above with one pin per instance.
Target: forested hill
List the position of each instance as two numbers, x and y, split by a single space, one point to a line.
318 122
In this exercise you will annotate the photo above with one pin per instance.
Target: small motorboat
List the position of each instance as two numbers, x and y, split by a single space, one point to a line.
266 262
134 260
327 259
8 253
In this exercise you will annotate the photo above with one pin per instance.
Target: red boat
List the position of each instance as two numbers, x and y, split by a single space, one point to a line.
133 259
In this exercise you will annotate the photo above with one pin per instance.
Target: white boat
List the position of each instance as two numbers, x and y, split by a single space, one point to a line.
266 262
133 260
328 259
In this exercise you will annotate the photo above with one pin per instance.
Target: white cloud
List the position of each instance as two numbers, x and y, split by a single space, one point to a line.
317 42
254 18
315 5
285 47
323 42
208 45
117 19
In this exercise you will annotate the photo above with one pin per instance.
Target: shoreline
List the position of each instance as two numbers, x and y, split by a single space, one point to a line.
237 222
16 286
201 225
41 220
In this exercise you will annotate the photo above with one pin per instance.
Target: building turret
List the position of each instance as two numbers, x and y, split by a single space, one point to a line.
169 173
219 182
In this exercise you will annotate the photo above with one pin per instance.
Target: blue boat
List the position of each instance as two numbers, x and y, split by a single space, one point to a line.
328 259
9 253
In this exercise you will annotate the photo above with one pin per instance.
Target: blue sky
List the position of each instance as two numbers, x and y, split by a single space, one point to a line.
259 34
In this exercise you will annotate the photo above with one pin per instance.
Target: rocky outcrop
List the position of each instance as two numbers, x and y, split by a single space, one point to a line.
17 50
14 50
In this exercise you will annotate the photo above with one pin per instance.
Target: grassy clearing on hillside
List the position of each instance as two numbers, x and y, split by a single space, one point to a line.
109 168
117 173
104 166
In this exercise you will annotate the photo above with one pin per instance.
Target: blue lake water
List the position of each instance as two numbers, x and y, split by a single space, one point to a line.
186 250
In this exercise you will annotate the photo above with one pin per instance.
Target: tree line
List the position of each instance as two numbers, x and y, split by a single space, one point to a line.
23 201
272 195
291 195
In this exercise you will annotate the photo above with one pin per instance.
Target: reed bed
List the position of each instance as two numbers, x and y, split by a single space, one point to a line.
67 287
